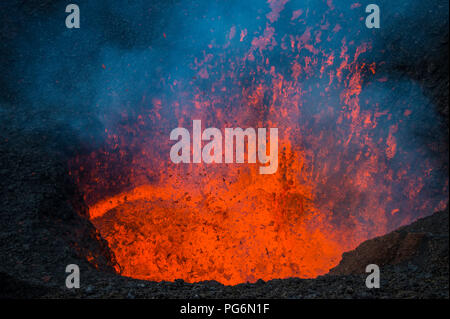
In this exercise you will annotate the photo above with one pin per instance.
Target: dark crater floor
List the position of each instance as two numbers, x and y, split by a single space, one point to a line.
43 230
43 217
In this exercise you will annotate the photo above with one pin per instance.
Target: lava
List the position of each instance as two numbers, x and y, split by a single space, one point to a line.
347 168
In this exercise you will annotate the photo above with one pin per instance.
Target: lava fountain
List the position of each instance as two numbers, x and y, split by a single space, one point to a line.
350 165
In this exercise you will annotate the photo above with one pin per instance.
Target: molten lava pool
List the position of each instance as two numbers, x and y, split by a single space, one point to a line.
352 162
231 231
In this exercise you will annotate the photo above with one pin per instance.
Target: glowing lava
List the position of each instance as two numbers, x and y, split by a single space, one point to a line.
348 169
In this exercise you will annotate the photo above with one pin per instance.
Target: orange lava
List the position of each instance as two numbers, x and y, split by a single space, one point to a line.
333 189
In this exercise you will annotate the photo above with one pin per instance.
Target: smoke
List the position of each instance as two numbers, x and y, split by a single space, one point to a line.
57 72
126 55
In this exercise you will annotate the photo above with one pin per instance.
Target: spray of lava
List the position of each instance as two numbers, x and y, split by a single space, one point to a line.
349 167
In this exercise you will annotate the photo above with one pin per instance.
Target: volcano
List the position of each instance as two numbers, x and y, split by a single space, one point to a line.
352 165
87 176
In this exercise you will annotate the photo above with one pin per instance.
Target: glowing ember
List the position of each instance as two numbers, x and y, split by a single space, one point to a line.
348 169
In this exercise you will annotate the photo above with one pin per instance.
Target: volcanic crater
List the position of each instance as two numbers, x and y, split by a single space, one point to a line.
363 151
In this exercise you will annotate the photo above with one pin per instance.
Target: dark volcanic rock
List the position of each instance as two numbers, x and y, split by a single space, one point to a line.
43 227
425 242
13 288
36 243
417 267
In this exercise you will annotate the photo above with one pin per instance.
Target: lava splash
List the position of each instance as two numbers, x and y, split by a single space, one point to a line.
350 166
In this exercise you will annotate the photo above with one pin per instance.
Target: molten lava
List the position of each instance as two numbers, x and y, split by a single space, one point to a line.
343 176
